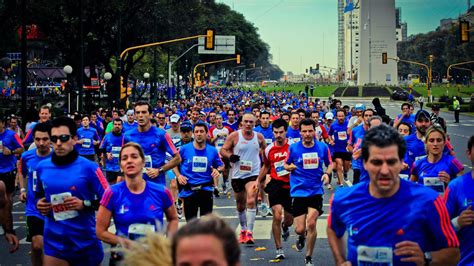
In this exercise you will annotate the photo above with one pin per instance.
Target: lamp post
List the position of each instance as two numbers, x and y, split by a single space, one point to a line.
146 76
107 77
68 70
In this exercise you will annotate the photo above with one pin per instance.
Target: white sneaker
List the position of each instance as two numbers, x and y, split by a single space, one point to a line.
179 210
264 210
280 254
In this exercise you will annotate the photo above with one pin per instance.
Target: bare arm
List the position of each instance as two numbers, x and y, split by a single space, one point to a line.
445 256
173 162
228 147
337 246
172 218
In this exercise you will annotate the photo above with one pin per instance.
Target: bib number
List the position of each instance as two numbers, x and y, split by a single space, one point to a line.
404 176
279 169
148 163
245 167
268 141
342 135
434 183
199 164
136 231
116 151
310 160
86 144
60 211
368 256
220 143
35 180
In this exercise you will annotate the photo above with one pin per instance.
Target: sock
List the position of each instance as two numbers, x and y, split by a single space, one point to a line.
242 219
251 213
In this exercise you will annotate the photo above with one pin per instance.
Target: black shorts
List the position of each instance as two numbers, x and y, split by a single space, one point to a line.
238 185
111 176
34 226
278 194
9 179
301 205
345 156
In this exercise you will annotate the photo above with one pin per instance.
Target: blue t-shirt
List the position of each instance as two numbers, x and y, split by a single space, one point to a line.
339 133
89 135
112 143
293 135
410 120
234 126
127 126
64 230
266 132
424 169
155 144
29 162
375 225
415 151
305 180
128 208
355 139
197 166
28 139
458 196
10 140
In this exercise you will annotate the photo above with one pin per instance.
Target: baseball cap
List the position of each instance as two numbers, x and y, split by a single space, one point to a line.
174 118
422 114
360 107
329 116
202 113
186 126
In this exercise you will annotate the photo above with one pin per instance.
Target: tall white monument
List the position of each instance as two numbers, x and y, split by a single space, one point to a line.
377 36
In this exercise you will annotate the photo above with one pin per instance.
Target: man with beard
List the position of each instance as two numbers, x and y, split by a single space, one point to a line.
415 145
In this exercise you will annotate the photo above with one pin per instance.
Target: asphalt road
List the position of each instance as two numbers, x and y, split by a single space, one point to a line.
225 207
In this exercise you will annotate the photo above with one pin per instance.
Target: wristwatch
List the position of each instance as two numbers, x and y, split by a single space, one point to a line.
160 170
87 203
428 258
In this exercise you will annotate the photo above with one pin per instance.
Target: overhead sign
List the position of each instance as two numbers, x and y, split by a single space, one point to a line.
224 44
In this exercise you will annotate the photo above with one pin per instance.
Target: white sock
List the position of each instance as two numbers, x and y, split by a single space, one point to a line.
242 219
251 213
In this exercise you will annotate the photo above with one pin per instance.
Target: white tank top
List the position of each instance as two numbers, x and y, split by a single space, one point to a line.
249 164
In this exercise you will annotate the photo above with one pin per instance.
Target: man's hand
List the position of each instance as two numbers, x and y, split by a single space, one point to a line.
215 173
152 172
325 179
74 203
23 196
6 151
410 251
43 206
234 158
356 154
404 166
466 217
182 180
289 167
13 241
109 156
443 176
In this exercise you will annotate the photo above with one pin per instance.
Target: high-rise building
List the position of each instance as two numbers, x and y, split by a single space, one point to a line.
340 35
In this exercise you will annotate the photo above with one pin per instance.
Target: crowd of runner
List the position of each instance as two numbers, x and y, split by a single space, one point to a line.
401 196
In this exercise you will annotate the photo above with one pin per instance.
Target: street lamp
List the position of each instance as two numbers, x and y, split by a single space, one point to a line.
68 70
107 77
146 76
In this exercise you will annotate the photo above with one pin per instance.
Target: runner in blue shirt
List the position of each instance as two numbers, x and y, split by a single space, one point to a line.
415 145
29 161
389 221
405 116
265 127
155 143
293 134
305 162
199 167
44 116
436 170
459 197
338 139
111 146
87 139
137 206
130 123
355 145
69 188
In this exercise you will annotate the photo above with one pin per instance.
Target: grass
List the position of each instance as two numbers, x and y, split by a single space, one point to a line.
438 91
319 91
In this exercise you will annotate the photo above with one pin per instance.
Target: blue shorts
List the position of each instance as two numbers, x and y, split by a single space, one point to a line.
92 255
170 174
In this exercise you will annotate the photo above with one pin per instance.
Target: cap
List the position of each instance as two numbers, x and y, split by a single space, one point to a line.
202 113
435 107
329 116
359 107
186 126
130 112
422 114
174 118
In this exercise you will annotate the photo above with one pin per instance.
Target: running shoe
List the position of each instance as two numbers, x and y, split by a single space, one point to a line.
280 255
285 232
216 192
179 210
308 261
300 243
264 210
250 240
243 237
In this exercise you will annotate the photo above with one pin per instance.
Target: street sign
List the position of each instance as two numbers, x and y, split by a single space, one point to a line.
225 44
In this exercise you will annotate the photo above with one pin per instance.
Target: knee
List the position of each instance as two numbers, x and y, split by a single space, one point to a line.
173 184
311 225
299 229
37 245
277 217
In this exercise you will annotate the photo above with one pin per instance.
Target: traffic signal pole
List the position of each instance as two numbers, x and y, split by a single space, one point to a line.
428 70
237 58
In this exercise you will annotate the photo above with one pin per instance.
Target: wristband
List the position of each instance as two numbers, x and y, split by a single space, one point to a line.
23 190
455 223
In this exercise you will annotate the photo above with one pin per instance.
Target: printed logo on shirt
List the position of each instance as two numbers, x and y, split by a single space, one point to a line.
73 188
353 230
279 155
400 232
123 209
152 207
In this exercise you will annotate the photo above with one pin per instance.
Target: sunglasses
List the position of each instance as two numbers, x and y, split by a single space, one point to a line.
62 138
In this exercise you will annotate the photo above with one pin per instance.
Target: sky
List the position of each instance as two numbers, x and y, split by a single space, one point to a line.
302 33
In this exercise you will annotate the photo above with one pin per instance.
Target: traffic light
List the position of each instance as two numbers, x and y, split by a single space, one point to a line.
238 59
430 58
123 89
306 70
317 66
252 65
464 31
310 70
210 39
384 58
129 91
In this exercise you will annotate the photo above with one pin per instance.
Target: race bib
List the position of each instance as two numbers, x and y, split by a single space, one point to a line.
60 211
175 139
342 135
293 140
86 144
116 151
199 164
136 231
148 163
219 143
419 157
35 180
404 176
1 146
279 169
434 183
310 160
368 256
245 167
268 141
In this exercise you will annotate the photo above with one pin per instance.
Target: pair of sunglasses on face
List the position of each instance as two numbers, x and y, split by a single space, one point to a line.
62 138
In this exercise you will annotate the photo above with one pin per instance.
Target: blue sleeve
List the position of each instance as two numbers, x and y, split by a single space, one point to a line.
289 160
39 186
167 199
96 135
334 221
170 148
331 130
442 234
217 162
24 170
450 200
103 144
108 199
327 156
